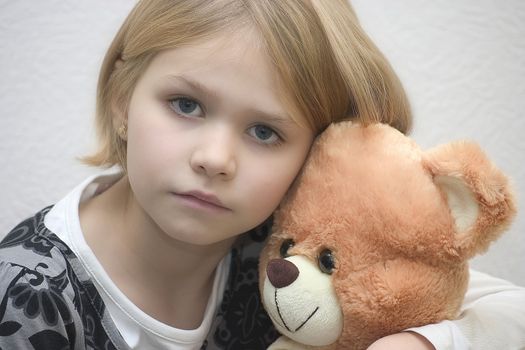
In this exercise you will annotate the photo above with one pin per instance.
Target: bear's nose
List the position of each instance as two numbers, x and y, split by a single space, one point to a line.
281 272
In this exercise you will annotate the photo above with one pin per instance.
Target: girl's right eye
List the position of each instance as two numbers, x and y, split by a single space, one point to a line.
186 107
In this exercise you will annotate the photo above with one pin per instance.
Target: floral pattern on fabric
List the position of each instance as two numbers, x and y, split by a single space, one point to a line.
44 305
242 322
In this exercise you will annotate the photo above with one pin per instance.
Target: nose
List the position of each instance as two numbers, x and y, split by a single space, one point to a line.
214 155
281 272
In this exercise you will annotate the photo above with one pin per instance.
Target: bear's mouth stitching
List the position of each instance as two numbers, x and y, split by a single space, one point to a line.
282 319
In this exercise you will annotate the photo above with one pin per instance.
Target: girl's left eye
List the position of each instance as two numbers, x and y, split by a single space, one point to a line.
264 134
186 106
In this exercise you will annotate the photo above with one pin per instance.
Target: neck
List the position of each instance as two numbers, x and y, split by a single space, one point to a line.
168 279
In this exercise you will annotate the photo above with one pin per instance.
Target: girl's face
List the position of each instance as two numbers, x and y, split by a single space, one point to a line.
211 147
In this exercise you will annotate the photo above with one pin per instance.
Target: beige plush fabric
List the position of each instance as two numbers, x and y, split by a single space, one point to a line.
401 224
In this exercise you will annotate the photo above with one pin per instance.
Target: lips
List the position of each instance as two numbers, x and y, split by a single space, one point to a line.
206 199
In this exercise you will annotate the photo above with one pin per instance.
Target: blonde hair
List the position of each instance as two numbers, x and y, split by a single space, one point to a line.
329 68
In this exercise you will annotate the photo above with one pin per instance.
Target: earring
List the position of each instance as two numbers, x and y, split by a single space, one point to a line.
123 131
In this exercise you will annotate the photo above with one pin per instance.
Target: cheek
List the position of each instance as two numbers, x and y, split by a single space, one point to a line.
151 135
140 148
269 187
151 150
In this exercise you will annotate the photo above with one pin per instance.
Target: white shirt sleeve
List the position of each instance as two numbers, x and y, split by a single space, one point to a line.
492 317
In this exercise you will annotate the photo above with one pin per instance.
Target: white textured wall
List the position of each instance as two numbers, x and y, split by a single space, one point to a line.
461 62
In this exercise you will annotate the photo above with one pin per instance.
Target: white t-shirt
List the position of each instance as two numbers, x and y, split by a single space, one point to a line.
139 330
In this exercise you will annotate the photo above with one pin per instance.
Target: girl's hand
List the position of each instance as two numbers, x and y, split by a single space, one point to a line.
404 340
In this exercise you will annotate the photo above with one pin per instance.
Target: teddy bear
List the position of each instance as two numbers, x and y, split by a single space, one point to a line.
375 235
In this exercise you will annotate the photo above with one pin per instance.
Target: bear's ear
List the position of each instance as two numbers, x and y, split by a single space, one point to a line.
477 193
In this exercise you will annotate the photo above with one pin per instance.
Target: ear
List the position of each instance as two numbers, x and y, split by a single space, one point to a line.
477 193
118 111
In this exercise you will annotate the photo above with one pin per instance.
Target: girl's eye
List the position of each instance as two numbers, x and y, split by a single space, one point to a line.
264 134
186 106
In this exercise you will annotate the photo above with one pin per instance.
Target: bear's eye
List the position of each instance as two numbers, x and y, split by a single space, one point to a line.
285 246
326 261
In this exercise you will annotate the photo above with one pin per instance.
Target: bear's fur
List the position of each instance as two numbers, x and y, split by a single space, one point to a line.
400 224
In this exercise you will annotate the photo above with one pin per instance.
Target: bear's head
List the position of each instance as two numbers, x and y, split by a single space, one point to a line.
375 235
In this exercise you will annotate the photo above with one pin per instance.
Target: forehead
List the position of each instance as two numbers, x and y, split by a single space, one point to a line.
221 56
233 66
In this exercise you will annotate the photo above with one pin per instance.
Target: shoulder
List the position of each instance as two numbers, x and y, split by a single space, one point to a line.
47 300
34 287
30 243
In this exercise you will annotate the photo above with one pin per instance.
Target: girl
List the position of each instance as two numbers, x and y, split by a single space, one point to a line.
208 109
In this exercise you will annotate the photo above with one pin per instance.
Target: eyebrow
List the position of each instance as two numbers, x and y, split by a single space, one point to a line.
205 91
193 84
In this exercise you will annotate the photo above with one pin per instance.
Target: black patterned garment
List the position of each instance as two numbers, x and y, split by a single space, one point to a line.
49 302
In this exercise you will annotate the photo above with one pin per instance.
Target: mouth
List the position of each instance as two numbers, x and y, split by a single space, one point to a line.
201 200
283 324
